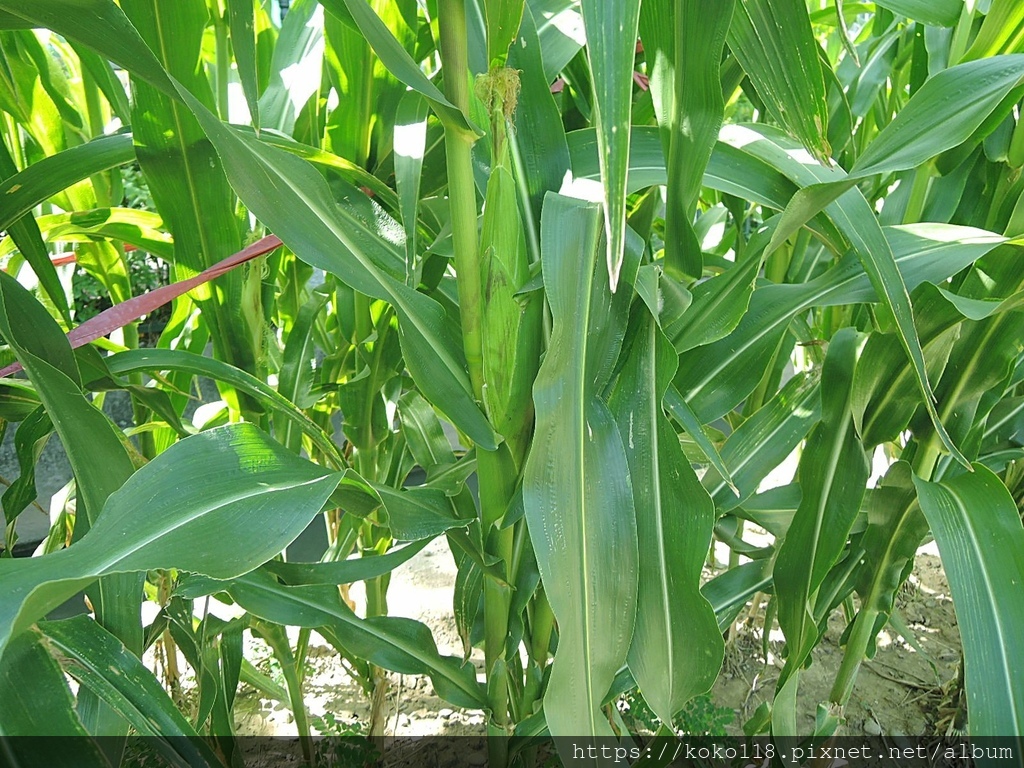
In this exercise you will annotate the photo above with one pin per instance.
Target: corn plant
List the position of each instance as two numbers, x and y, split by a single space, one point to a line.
635 255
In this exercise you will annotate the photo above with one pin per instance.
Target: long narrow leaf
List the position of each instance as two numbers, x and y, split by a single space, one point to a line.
611 27
102 26
296 67
397 60
856 220
674 518
96 450
398 644
184 173
576 487
978 529
44 179
715 378
942 13
683 43
26 235
242 16
774 42
37 701
936 118
98 661
833 475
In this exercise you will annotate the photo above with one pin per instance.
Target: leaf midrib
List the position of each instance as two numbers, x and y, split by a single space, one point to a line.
659 512
580 386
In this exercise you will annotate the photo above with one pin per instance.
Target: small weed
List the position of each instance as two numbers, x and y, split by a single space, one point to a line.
345 743
700 717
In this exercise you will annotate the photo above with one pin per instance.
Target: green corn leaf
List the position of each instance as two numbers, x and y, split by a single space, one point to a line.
29 441
833 475
202 496
720 302
977 526
688 420
541 164
396 59
981 362
102 71
298 56
773 509
107 266
99 457
295 379
410 147
427 441
974 358
764 440
345 571
715 378
9 21
276 636
503 18
775 45
1002 31
410 514
935 119
367 124
854 217
26 235
44 179
143 229
729 170
683 44
100 25
18 399
914 136
37 701
731 591
941 13
611 27
420 513
674 519
576 487
401 645
348 170
185 174
153 361
242 18
98 661
885 393
895 530
559 25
